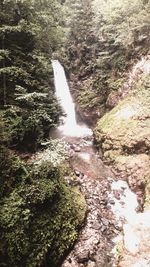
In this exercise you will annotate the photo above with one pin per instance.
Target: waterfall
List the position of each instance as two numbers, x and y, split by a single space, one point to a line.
70 126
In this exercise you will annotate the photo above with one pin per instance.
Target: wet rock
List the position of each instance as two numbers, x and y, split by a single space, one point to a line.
116 194
96 226
112 202
141 185
103 202
139 193
103 228
71 153
72 146
105 221
83 257
77 173
124 132
91 264
77 149
124 135
93 239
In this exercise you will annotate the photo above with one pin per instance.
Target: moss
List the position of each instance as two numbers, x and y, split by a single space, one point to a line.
115 83
79 200
127 125
40 229
40 216
123 134
13 171
111 155
88 99
25 126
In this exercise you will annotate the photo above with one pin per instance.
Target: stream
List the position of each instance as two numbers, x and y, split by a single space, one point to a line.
110 202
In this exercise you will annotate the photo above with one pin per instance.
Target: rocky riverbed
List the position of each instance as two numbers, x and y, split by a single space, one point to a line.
123 137
108 204
114 234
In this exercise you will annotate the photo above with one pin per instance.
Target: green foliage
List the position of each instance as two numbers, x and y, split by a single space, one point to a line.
3 54
54 155
29 34
25 128
12 171
116 84
88 99
104 39
40 214
128 22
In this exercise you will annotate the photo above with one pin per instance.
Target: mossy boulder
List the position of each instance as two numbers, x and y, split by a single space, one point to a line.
41 215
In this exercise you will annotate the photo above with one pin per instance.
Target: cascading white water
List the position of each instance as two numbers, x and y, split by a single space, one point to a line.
69 126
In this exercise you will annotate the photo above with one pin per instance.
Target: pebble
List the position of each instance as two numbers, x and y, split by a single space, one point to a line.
77 149
104 228
116 195
105 222
91 264
83 257
96 226
93 238
112 202
72 146
71 154
77 173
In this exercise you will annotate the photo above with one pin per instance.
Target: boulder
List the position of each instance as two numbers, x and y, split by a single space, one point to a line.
123 135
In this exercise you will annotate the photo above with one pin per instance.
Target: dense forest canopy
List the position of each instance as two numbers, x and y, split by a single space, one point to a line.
30 32
104 41
33 197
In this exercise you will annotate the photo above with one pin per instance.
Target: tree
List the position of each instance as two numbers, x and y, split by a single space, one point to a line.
124 21
29 34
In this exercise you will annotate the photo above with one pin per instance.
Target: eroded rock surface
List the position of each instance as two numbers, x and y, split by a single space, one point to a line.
140 67
123 135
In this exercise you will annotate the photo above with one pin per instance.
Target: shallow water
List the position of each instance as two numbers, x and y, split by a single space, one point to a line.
121 202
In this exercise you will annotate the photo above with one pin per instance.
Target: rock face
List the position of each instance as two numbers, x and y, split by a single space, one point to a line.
140 67
89 106
123 135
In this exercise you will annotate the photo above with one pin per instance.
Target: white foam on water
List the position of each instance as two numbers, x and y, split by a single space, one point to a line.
124 207
70 127
85 156
124 210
